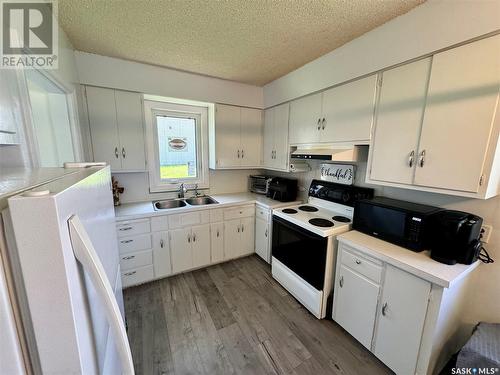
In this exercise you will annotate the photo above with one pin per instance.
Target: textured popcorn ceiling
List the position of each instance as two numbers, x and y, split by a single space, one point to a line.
250 41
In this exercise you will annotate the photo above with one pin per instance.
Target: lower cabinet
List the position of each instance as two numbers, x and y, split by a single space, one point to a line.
201 245
262 238
180 245
356 305
239 235
217 242
403 309
161 254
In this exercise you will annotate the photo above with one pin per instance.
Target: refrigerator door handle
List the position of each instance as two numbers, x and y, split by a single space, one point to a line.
85 253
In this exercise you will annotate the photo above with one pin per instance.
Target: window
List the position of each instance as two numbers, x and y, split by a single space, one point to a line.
177 145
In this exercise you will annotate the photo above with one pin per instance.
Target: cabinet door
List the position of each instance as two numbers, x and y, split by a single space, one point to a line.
262 239
305 118
217 242
232 238
251 137
130 130
401 321
399 117
355 306
103 127
161 254
227 136
268 138
247 236
201 245
281 147
180 249
461 104
348 111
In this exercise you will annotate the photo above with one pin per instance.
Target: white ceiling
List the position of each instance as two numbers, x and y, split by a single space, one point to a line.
249 41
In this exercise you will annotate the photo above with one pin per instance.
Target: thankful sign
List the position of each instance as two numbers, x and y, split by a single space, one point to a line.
342 174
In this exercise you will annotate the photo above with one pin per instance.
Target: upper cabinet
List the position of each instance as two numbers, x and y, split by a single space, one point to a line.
276 149
437 128
116 128
236 138
340 114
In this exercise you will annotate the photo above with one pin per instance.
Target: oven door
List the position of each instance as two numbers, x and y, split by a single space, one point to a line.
300 250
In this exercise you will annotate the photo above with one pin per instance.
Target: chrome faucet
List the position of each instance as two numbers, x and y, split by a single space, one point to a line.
196 193
182 191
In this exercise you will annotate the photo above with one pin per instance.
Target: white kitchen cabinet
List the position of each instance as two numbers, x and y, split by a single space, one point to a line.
356 304
116 128
161 254
276 149
232 238
347 111
399 117
305 119
181 250
236 137
403 308
262 238
247 239
459 115
201 245
457 144
217 242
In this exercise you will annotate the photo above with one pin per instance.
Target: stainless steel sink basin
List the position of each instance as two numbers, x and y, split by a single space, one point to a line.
169 203
197 201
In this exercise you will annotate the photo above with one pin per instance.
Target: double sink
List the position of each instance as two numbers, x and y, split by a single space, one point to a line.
177 203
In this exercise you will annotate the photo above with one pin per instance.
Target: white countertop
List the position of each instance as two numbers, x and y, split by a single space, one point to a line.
420 264
129 211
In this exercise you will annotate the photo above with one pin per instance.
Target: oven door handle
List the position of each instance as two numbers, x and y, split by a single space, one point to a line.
295 228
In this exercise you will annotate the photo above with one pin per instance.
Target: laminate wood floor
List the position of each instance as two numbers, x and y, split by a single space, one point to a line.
233 318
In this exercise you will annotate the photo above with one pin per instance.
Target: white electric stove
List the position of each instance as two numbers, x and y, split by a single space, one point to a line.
304 241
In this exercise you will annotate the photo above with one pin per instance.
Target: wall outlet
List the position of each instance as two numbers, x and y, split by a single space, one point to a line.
486 233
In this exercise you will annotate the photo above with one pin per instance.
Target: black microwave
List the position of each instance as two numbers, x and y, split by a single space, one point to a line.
400 222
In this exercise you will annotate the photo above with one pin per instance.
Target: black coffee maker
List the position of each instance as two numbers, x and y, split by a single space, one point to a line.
454 237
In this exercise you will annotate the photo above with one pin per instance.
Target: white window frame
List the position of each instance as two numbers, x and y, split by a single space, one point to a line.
200 114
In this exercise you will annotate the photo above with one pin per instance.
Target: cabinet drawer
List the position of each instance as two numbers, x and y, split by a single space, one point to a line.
188 219
129 228
137 259
137 276
362 265
216 215
262 213
135 243
238 212
159 223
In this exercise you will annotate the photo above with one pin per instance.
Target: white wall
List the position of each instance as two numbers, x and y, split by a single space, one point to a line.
149 79
431 26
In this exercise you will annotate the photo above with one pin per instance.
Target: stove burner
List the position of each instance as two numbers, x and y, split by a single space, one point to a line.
289 211
319 222
342 219
308 208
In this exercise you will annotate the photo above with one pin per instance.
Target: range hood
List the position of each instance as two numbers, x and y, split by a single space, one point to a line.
338 153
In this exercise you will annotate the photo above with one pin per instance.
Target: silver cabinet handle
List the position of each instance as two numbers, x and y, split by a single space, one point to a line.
130 273
323 123
242 154
410 158
422 159
126 228
341 281
194 237
358 261
238 154
189 238
242 228
123 152
129 257
319 124
265 234
161 243
238 229
127 241
384 309
217 233
116 152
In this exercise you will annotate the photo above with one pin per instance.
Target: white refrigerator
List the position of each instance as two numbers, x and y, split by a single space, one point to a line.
61 304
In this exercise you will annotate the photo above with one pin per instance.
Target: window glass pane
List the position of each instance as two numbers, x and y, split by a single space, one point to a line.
177 147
